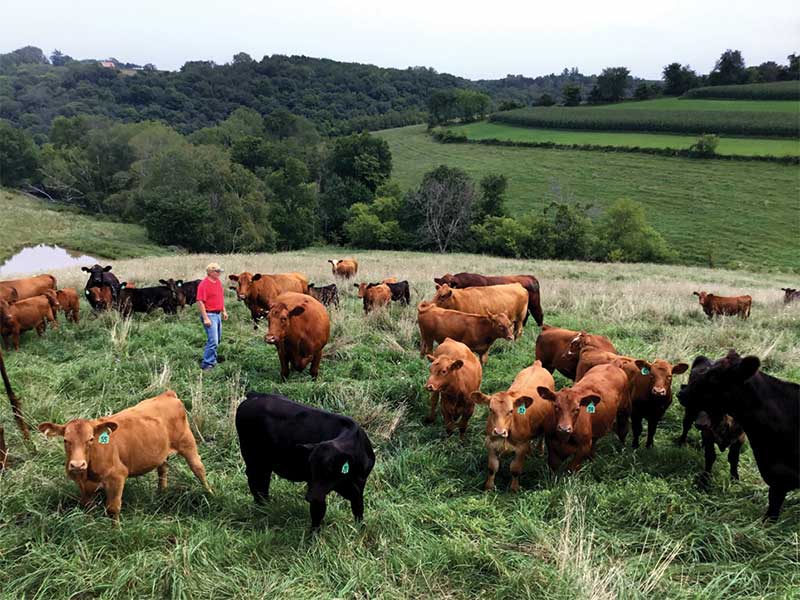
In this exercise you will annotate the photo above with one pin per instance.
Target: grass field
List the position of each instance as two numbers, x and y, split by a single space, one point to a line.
630 525
740 214
788 106
28 221
484 130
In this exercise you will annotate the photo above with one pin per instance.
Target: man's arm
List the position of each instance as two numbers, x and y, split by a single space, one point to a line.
203 313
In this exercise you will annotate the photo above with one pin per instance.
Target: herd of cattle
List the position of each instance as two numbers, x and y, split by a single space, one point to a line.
728 400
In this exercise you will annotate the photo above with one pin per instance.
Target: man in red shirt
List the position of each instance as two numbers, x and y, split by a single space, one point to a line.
211 300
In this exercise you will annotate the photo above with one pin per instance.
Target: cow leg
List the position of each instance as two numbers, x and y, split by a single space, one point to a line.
258 480
540 445
494 465
432 414
315 364
163 469
733 459
710 456
636 424
114 489
425 345
40 327
623 425
484 356
15 338
652 424
687 425
188 450
3 451
354 492
517 329
318 509
462 426
776 497
88 491
517 465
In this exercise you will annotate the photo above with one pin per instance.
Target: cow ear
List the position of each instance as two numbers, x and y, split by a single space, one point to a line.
87 269
479 397
297 311
643 364
526 400
438 281
700 360
163 282
257 276
456 365
111 426
355 285
748 367
679 368
546 393
308 447
233 277
123 284
430 357
590 399
52 429
695 293
107 269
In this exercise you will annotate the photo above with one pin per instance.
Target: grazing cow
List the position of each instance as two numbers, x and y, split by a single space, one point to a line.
790 295
767 408
175 286
258 291
724 305
511 299
346 268
27 287
529 282
400 290
9 294
478 332
454 374
515 418
31 313
327 294
99 298
189 289
102 277
68 299
299 328
374 297
102 453
553 345
146 300
330 452
586 412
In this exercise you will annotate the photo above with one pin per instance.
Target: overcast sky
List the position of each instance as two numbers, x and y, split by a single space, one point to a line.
464 37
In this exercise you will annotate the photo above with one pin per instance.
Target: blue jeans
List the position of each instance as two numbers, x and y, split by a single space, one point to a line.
214 333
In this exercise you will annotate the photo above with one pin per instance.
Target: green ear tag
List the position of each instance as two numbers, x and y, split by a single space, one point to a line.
645 371
104 437
521 410
345 468
590 408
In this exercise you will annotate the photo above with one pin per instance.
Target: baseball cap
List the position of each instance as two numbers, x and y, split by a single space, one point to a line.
214 267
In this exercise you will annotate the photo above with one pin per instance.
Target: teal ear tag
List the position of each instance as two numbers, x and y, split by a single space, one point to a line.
104 437
345 468
521 410
645 371
590 408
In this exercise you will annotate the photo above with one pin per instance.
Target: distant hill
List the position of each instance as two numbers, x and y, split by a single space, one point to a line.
337 97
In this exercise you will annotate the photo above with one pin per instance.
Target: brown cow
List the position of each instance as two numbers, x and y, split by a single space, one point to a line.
454 374
586 412
374 297
31 313
299 327
68 299
102 453
100 298
478 332
790 295
553 345
511 299
30 286
258 291
515 418
724 305
345 268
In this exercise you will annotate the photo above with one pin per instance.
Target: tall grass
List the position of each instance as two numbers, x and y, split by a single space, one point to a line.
779 90
630 525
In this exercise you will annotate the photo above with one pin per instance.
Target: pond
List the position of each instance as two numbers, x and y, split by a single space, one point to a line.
34 259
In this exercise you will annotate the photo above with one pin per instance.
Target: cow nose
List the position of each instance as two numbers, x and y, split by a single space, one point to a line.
562 429
240 296
659 391
270 339
500 432
77 465
429 387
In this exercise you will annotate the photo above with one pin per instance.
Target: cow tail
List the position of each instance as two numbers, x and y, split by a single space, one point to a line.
16 407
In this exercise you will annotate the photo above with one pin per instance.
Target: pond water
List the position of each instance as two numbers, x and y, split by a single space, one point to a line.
34 259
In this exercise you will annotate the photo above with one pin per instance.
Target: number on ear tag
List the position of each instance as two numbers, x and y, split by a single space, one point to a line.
645 371
590 409
104 437
521 410
345 468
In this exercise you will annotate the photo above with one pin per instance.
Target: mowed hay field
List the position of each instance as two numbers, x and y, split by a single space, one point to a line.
736 214
629 525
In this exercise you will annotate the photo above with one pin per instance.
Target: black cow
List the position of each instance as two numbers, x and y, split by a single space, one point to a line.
790 295
328 294
189 290
330 452
99 277
726 433
767 408
176 286
400 291
146 300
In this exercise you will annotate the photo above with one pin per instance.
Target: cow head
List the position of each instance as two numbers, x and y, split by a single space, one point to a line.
712 385
503 406
446 279
5 313
176 287
99 297
279 315
702 297
443 296
567 406
243 280
503 326
331 464
442 371
661 372
790 294
79 435
334 263
96 273
52 298
576 344
362 289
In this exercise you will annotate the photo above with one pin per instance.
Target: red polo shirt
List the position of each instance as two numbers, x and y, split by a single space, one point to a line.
211 294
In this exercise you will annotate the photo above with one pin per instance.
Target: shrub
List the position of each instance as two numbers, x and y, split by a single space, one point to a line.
623 235
705 146
782 90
